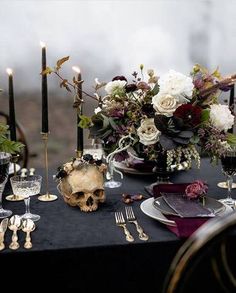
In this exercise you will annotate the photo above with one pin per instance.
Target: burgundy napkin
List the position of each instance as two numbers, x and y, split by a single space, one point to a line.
184 226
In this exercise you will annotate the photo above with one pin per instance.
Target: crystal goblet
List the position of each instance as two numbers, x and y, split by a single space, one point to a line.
27 187
4 170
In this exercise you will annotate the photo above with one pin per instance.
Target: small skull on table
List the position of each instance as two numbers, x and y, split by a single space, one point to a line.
81 183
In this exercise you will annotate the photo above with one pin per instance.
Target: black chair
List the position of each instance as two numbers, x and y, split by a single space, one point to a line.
206 262
24 155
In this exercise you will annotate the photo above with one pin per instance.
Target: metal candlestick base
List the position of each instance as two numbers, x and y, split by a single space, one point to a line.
13 197
225 185
47 197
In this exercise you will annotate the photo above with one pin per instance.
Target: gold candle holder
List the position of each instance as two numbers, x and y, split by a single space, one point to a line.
47 196
79 154
13 197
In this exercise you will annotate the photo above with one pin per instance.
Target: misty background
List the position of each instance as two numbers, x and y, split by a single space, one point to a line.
105 39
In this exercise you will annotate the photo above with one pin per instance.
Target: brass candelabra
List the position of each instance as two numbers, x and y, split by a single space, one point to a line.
47 196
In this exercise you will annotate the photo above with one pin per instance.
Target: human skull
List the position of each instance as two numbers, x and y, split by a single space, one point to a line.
83 186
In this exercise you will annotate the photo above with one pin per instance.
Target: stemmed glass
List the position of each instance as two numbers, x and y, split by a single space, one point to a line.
228 162
27 187
4 170
112 183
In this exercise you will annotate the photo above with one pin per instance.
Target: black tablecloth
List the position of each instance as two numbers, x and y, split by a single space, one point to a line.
77 250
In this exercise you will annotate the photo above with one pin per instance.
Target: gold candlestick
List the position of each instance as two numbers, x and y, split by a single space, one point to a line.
47 196
13 197
79 154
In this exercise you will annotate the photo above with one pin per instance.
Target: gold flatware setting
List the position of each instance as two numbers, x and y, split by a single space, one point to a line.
3 228
28 226
14 225
120 221
131 218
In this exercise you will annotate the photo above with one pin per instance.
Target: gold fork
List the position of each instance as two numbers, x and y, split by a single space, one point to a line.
132 219
120 221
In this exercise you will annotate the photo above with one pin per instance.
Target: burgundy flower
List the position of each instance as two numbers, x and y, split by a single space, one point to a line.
131 87
191 115
196 189
119 77
142 85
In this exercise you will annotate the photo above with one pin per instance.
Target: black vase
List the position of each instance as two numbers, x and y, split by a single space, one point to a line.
162 171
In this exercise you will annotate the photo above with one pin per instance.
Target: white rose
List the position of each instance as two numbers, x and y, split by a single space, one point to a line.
147 132
165 104
114 87
176 84
221 117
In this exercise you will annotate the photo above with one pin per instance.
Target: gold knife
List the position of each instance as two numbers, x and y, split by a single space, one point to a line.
3 228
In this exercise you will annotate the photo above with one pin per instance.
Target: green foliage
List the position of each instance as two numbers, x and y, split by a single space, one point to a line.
231 139
85 121
7 145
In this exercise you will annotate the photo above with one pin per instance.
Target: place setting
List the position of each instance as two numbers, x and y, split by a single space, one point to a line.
16 224
183 207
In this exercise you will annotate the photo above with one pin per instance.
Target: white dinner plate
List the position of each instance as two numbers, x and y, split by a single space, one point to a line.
11 168
148 209
122 167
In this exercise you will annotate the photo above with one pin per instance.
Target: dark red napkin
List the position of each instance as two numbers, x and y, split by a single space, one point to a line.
184 226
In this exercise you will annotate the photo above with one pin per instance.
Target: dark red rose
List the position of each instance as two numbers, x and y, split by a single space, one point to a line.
119 77
196 189
130 87
191 115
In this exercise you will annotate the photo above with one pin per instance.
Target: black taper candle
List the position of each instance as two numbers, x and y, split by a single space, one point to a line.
231 105
44 93
12 119
80 135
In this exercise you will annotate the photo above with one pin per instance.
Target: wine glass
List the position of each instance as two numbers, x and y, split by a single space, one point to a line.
4 170
112 183
27 187
228 162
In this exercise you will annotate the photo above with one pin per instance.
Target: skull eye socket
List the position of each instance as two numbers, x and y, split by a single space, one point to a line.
79 194
98 192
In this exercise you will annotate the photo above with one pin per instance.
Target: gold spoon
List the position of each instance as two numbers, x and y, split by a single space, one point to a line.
28 226
14 225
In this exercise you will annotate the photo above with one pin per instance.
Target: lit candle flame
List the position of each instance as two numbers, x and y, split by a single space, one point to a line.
9 71
42 44
76 69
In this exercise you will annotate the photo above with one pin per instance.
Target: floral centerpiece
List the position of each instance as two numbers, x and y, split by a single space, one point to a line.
146 117
176 115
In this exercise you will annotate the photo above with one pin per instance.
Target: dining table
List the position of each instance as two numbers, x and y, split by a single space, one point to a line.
86 251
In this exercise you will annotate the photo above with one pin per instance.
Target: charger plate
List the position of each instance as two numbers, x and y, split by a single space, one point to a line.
211 204
148 209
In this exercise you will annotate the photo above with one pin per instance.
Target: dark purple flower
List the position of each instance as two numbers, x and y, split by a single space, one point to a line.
148 110
119 77
191 115
131 87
